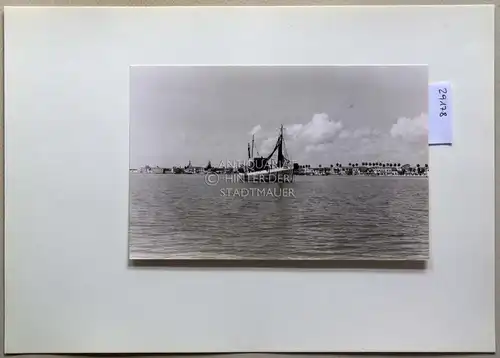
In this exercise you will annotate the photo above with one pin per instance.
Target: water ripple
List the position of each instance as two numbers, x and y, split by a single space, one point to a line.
178 216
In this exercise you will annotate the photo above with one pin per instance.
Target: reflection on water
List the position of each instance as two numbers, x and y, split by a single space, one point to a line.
315 217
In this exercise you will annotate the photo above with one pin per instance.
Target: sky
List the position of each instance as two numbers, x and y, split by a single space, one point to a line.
331 114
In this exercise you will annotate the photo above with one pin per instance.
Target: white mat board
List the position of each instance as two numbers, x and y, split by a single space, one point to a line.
68 286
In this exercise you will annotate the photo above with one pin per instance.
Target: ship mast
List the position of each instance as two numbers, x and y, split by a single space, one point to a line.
281 157
278 147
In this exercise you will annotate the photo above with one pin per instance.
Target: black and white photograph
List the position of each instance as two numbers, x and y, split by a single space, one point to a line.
279 163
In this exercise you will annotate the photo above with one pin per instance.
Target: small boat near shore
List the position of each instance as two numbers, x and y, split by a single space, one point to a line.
264 170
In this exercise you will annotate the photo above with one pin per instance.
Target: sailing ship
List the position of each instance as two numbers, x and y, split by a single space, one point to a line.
264 169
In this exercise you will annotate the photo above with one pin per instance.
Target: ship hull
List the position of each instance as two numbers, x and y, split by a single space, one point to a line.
278 175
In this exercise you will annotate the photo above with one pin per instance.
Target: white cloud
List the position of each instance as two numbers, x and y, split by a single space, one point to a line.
255 129
312 136
320 130
363 132
358 133
326 141
345 134
410 128
317 147
293 130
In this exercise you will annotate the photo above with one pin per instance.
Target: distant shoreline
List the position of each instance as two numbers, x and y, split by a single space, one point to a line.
414 176
353 169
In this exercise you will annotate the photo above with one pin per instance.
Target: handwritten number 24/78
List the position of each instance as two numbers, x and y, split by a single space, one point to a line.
442 102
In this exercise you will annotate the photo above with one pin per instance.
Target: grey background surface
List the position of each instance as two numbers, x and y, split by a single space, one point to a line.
242 2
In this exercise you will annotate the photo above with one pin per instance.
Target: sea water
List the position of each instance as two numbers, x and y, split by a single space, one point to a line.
315 217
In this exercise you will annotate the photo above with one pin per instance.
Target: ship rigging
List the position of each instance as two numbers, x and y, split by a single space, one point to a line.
264 169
